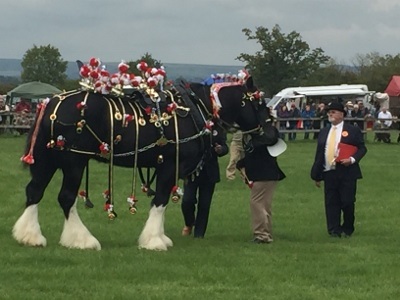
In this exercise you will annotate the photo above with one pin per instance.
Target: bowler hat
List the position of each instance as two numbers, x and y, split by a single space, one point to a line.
336 106
278 148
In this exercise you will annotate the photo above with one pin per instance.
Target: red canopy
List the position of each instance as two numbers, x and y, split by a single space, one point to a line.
393 88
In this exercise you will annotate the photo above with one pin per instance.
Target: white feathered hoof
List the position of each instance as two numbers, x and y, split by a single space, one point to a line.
152 236
167 241
27 231
152 243
79 241
75 235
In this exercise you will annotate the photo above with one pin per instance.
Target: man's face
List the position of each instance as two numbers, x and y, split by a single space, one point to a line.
335 116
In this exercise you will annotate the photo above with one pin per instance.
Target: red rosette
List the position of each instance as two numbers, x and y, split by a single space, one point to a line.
107 206
148 110
80 105
174 189
94 62
171 107
84 71
28 159
94 74
123 67
60 143
142 66
152 82
104 148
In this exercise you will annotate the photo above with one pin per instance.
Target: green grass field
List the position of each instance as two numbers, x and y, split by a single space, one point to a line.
302 263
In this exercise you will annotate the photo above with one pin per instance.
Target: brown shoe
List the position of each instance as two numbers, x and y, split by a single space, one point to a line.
187 230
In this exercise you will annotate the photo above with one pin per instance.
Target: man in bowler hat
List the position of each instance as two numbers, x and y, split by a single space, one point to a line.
340 148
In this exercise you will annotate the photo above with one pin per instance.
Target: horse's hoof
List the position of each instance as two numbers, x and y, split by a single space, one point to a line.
167 241
90 244
155 243
89 204
33 240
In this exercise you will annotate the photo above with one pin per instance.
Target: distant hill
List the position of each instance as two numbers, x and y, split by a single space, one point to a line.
191 72
10 67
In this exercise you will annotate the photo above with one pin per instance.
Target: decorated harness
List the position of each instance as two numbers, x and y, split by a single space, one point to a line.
140 96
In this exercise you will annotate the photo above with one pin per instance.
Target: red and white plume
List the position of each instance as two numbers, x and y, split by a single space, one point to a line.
142 66
243 75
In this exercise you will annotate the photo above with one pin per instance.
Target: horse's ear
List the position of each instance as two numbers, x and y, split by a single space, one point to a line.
79 63
250 83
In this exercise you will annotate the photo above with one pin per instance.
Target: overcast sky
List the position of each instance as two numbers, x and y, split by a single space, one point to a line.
194 31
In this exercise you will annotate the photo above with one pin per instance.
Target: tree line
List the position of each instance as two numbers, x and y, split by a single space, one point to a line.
286 60
283 60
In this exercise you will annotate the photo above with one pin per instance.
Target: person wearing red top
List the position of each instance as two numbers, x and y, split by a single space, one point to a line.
23 105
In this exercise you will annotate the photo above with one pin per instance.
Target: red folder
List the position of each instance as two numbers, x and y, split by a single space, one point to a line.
345 151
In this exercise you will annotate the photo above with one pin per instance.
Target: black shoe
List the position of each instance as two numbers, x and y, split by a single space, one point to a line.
346 235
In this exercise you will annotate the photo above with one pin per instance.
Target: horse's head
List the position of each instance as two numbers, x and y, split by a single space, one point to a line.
239 105
245 106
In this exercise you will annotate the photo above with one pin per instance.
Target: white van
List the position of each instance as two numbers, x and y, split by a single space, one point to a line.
325 93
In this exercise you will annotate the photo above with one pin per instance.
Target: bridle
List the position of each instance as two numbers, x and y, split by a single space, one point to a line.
254 99
248 97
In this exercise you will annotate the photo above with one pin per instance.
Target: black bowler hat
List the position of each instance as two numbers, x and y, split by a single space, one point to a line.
336 106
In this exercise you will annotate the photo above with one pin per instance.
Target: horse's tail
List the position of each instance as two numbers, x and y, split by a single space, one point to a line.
33 134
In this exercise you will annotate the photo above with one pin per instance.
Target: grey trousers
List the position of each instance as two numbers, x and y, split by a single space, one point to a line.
261 209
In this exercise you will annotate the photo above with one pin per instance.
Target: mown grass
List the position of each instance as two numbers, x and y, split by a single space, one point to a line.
302 263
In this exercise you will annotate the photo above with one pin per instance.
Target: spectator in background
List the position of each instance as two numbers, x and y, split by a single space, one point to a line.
358 114
349 107
376 109
364 111
322 114
23 119
307 113
283 113
383 123
23 105
236 153
4 108
385 117
294 113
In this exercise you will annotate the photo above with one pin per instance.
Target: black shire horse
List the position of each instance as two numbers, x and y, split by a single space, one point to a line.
164 130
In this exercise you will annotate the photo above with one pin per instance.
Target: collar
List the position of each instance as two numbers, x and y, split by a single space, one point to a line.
338 126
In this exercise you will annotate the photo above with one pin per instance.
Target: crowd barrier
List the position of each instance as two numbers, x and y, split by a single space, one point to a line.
369 124
11 121
15 121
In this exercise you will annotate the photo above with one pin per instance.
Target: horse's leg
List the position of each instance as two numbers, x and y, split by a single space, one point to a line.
153 236
27 229
75 234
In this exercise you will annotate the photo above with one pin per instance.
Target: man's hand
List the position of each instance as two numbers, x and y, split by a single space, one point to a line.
346 161
217 148
318 184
